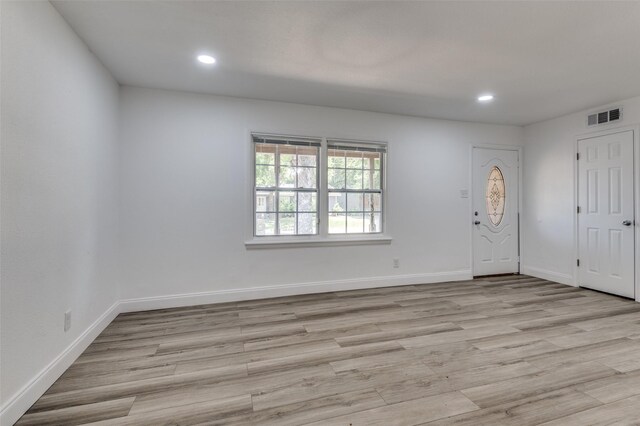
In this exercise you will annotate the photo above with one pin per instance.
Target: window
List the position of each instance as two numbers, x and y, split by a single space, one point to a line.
286 186
495 196
354 181
317 187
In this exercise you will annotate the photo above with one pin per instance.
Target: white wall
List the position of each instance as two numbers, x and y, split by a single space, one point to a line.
59 191
548 206
185 206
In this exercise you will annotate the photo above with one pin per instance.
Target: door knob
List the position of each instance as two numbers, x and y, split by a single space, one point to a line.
477 222
626 223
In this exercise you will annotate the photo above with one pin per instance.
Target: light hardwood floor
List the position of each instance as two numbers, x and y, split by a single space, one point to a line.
505 350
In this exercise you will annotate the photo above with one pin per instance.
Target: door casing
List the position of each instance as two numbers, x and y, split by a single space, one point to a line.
636 181
471 195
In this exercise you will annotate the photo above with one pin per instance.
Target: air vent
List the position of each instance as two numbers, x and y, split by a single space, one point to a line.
604 117
614 114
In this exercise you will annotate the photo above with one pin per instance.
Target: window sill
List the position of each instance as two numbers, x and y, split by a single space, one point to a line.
279 242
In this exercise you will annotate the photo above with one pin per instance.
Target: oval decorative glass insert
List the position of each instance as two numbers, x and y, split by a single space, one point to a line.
495 196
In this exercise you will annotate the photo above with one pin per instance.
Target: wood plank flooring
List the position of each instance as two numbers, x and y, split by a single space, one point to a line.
512 350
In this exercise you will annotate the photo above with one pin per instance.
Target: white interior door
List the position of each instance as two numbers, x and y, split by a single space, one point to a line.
495 211
606 214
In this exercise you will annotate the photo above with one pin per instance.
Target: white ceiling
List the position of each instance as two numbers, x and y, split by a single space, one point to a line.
541 59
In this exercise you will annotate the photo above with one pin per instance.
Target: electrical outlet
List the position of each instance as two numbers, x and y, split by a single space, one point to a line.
396 263
67 320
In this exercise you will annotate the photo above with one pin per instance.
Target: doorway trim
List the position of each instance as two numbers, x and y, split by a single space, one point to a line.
520 151
635 128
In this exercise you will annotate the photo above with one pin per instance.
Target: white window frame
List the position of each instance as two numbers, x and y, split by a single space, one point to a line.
323 238
355 146
287 141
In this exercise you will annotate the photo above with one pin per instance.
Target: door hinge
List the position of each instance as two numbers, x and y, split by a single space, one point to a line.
577 156
578 209
578 262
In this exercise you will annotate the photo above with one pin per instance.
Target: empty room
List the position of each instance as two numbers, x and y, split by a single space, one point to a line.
319 212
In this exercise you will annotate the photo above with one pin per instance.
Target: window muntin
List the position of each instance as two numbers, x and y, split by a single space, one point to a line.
354 188
495 196
286 186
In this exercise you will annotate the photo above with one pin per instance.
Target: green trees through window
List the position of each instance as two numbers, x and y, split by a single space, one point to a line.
355 191
287 189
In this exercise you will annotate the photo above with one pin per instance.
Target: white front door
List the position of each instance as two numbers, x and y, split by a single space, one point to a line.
495 211
606 214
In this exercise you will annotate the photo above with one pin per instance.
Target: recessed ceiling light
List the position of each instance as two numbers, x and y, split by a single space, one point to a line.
485 98
206 59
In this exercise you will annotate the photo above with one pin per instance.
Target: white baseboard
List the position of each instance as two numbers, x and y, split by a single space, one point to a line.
265 292
17 405
546 274
29 394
